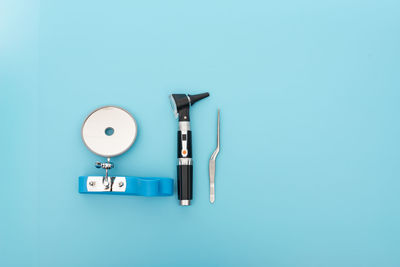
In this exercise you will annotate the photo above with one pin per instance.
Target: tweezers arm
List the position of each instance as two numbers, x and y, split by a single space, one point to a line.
218 130
211 166
211 169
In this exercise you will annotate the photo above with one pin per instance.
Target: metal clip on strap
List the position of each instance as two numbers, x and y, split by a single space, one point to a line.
127 185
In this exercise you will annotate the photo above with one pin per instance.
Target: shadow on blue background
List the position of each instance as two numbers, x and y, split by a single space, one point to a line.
309 95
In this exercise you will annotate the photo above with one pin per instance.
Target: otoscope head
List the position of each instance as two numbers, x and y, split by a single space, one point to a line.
181 102
195 98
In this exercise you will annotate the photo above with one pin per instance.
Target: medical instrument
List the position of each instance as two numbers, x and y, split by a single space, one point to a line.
181 104
211 166
109 132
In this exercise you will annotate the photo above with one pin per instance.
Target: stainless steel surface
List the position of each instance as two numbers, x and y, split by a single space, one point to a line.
107 181
185 202
96 184
185 161
104 165
211 167
102 142
173 106
184 126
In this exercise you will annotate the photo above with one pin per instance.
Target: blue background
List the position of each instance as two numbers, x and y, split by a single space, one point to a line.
308 174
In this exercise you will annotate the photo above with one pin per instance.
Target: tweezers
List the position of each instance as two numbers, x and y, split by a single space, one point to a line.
211 167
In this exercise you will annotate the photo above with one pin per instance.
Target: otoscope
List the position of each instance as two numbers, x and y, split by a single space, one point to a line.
181 104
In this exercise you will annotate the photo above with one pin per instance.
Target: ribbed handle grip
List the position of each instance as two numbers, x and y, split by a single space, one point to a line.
185 182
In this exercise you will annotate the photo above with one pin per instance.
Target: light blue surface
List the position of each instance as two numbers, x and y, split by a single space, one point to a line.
308 173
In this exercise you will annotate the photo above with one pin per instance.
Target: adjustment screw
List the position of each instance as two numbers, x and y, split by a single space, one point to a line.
91 183
121 184
97 164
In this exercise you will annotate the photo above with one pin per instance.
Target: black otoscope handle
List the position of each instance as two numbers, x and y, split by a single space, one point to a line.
185 182
185 167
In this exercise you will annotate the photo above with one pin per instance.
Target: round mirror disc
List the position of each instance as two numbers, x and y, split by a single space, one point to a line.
109 131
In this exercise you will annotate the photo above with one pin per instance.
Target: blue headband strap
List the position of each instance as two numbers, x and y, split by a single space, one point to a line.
127 185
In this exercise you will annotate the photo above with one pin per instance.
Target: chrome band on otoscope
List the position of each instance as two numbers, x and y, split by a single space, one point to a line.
184 126
185 161
185 202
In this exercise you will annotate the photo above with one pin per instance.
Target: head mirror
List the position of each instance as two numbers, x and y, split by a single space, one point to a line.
109 131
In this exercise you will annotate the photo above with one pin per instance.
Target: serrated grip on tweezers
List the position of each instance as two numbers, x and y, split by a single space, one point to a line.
211 166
